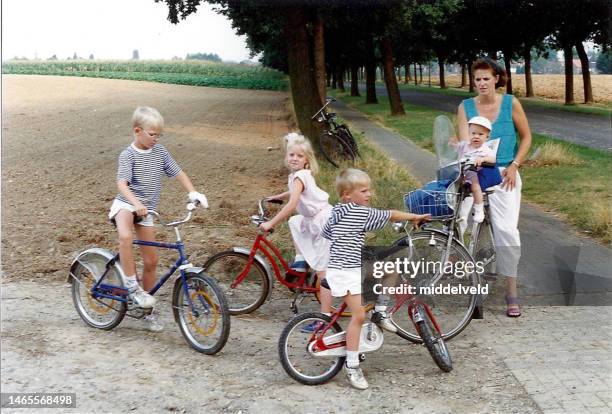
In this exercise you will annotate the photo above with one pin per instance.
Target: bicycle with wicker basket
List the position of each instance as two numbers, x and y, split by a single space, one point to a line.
442 241
336 143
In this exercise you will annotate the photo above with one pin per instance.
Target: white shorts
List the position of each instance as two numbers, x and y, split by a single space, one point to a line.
344 281
119 205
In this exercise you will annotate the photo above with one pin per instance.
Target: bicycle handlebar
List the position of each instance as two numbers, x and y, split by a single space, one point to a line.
190 208
328 100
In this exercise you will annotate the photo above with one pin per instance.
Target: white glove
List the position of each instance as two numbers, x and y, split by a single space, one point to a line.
199 197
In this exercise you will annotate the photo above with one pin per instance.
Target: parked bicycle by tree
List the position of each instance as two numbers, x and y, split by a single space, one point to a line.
336 143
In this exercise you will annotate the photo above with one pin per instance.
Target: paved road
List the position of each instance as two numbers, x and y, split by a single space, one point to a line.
557 266
585 129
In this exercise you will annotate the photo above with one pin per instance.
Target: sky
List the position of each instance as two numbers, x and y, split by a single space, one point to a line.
113 29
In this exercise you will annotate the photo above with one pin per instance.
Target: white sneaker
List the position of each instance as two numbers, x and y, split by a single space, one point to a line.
141 298
355 378
153 323
381 318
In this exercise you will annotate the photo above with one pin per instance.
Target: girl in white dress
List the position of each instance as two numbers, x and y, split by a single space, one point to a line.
313 211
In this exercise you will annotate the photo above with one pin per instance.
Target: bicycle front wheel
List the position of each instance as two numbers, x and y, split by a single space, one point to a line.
453 312
251 292
335 149
433 341
97 312
201 311
295 357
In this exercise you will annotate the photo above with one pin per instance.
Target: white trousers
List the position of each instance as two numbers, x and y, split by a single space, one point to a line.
505 207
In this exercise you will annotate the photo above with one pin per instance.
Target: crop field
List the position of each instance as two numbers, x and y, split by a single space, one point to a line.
190 72
549 86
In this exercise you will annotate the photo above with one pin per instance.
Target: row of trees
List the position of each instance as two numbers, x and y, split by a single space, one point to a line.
315 40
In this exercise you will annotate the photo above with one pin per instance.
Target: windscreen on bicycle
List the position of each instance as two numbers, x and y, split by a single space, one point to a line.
448 158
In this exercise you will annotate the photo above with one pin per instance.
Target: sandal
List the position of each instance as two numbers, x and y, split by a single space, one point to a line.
512 307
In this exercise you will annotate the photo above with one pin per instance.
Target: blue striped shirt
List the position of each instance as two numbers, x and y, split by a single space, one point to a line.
346 228
143 171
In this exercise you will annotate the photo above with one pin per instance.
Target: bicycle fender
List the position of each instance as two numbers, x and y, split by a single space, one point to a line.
261 261
85 259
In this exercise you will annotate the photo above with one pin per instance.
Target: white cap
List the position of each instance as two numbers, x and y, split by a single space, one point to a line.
482 121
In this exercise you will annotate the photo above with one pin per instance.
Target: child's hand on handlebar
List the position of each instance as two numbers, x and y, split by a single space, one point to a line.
199 197
141 210
419 219
265 227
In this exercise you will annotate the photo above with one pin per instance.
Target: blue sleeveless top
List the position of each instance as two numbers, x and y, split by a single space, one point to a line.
503 128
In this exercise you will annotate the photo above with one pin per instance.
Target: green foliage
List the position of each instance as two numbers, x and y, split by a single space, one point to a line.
213 57
604 62
198 73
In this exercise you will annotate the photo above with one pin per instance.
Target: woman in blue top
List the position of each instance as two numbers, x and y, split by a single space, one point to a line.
507 116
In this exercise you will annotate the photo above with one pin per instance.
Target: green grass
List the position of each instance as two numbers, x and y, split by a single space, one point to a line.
196 73
593 109
581 193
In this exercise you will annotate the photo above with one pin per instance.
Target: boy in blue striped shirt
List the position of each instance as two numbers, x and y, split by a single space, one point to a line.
141 168
346 228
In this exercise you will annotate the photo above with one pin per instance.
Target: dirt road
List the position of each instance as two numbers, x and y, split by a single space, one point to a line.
61 138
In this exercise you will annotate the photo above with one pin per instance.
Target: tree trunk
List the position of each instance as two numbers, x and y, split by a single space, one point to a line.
528 79
463 76
569 74
406 73
470 77
304 91
586 73
328 75
507 55
420 73
354 80
441 66
415 73
319 56
340 77
370 69
334 77
395 101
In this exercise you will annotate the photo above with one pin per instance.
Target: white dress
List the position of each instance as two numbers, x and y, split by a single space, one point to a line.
313 212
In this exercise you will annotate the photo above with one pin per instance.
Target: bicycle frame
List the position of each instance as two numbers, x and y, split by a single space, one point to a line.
274 257
318 335
120 294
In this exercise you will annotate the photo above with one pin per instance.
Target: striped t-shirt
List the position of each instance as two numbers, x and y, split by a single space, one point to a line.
346 228
143 170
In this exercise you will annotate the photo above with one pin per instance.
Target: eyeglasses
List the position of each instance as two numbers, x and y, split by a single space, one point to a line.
158 136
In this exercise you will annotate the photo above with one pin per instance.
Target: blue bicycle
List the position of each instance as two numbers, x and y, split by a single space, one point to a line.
199 305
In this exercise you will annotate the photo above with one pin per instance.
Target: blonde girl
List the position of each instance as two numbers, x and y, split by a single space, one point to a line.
313 211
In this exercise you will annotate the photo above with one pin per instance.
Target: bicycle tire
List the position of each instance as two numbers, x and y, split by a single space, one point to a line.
206 330
99 313
290 361
335 149
348 136
433 341
251 293
452 312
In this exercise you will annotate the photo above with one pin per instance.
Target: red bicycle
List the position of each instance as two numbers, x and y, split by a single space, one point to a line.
313 358
246 277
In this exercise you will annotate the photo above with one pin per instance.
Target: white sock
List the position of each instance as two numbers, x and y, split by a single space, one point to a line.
299 258
326 313
478 207
352 359
380 308
130 282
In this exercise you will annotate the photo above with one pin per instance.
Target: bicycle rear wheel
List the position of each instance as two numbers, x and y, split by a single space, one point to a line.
348 137
201 311
97 312
335 149
453 312
249 294
297 360
432 339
